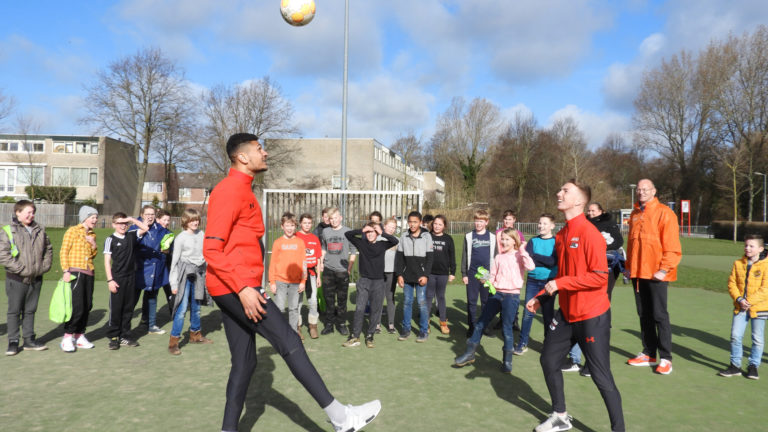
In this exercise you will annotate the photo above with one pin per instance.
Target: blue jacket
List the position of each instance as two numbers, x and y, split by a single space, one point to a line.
151 269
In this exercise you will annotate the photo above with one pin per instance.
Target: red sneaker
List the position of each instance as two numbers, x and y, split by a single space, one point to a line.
642 360
664 367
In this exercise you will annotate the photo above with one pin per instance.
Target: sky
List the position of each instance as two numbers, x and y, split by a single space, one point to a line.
407 59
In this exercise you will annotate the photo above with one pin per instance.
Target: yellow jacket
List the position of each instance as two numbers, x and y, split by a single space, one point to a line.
756 290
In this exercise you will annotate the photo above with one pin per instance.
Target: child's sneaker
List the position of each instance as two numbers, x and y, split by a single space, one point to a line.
444 328
422 337
358 416
569 366
68 344
731 371
351 342
369 342
520 350
752 372
664 367
555 422
128 342
83 343
404 335
156 330
114 343
391 330
642 360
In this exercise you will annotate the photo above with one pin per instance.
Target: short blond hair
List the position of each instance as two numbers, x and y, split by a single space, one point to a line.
189 215
482 214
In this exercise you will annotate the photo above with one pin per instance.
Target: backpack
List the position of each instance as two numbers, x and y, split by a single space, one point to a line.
61 303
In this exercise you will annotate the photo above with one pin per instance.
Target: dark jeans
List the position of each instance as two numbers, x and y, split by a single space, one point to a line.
593 336
82 303
22 305
436 289
275 329
475 289
655 328
335 290
121 306
506 304
547 302
368 290
390 284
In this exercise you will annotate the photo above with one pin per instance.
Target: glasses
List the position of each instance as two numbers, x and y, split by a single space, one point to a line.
644 190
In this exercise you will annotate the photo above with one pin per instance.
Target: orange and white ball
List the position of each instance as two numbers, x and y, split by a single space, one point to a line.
297 12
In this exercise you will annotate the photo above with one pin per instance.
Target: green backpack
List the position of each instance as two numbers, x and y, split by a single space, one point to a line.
61 303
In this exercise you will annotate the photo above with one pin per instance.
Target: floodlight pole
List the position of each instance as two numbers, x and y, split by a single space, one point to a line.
344 109
633 186
765 177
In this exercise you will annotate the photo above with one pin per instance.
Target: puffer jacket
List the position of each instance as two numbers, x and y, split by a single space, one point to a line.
35 252
609 229
756 283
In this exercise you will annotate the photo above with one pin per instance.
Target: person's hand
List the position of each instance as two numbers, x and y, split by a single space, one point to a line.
451 278
273 288
252 301
522 246
401 281
302 285
744 304
367 229
551 287
174 291
465 279
533 305
112 285
91 241
377 228
320 268
659 275
423 281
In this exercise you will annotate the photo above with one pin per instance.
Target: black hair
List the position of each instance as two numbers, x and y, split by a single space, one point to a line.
236 141
416 214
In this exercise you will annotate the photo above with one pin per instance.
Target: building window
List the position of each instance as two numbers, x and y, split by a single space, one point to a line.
30 175
66 176
32 147
94 177
60 176
95 148
185 192
153 187
81 147
7 179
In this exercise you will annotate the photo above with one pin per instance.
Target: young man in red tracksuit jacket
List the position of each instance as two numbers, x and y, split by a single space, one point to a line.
584 314
235 257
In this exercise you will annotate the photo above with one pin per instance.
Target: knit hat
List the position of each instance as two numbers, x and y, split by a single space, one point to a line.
85 212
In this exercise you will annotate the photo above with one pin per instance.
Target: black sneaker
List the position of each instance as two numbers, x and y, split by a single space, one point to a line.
752 372
342 328
369 341
128 342
731 371
32 345
114 343
585 371
404 335
328 329
13 348
422 337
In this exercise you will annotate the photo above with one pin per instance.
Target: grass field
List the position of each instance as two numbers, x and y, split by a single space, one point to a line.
145 388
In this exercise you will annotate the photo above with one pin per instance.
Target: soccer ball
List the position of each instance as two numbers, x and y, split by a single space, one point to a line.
297 12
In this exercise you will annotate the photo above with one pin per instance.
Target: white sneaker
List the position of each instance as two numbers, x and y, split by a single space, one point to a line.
358 416
68 344
555 423
83 343
156 330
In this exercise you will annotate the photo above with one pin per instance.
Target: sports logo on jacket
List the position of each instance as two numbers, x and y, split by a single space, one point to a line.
574 243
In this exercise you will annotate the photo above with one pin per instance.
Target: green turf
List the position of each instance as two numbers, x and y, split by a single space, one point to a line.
145 388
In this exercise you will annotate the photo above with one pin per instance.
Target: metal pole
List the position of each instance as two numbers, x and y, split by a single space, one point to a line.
344 109
765 183
632 186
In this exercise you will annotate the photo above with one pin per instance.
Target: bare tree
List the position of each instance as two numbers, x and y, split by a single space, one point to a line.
468 131
7 105
573 154
257 107
408 146
28 172
734 161
137 98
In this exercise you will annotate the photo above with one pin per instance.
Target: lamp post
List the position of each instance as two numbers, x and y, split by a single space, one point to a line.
344 110
764 191
633 186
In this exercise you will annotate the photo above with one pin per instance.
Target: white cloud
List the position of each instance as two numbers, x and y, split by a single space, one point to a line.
596 127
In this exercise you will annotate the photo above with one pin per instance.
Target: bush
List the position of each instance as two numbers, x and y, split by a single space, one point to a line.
51 194
7 199
724 229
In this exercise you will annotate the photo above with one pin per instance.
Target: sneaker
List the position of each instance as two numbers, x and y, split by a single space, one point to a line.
444 328
378 329
351 342
328 329
68 344
84 343
752 372
128 342
156 330
642 360
358 416
404 335
369 342
731 371
585 371
391 330
555 422
342 328
13 348
520 350
569 366
664 367
114 343
32 345
422 337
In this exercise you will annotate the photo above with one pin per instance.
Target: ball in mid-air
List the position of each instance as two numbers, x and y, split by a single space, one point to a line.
297 12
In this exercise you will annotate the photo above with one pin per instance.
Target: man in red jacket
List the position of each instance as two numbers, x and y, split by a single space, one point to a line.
235 257
584 314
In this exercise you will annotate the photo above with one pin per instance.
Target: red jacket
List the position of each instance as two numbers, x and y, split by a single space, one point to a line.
582 270
232 245
313 250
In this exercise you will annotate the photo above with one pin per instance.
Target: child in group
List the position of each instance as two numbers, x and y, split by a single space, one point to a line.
390 282
288 269
370 286
413 265
508 220
443 269
478 251
163 218
338 261
120 266
187 277
314 251
748 287
78 248
542 250
506 276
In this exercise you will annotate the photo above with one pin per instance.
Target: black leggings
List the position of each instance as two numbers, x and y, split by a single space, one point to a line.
274 328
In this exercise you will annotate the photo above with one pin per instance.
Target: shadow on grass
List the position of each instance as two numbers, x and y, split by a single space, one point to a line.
261 393
692 354
3 329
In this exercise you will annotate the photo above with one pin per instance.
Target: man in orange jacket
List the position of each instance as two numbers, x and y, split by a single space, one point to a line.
653 253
